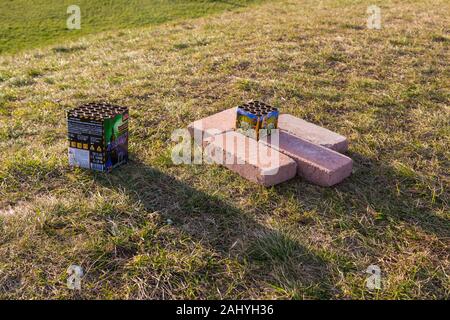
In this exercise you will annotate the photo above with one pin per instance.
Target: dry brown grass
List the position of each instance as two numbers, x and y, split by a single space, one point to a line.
387 90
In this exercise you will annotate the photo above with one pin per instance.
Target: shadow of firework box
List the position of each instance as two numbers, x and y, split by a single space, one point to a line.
98 136
256 119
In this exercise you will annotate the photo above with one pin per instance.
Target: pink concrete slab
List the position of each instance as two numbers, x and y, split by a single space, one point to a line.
313 133
250 159
215 124
315 163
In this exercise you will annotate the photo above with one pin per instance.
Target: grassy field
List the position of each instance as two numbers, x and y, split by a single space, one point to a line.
27 24
387 90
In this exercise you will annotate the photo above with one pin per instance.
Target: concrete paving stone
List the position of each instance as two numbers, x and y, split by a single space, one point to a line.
316 164
250 159
215 124
312 133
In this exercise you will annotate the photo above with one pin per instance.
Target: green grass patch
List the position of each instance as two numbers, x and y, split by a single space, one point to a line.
25 24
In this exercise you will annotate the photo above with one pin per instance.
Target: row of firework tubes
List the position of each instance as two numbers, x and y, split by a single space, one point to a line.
256 119
257 108
104 109
97 111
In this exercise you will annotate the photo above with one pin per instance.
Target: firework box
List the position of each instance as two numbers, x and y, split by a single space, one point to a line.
98 136
256 119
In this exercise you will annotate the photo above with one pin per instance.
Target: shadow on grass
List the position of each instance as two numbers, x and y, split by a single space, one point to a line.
390 195
397 195
270 256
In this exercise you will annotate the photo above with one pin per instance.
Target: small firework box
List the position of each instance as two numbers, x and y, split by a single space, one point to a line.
98 136
256 119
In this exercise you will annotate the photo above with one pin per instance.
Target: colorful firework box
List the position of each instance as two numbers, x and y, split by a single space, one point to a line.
256 119
98 136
